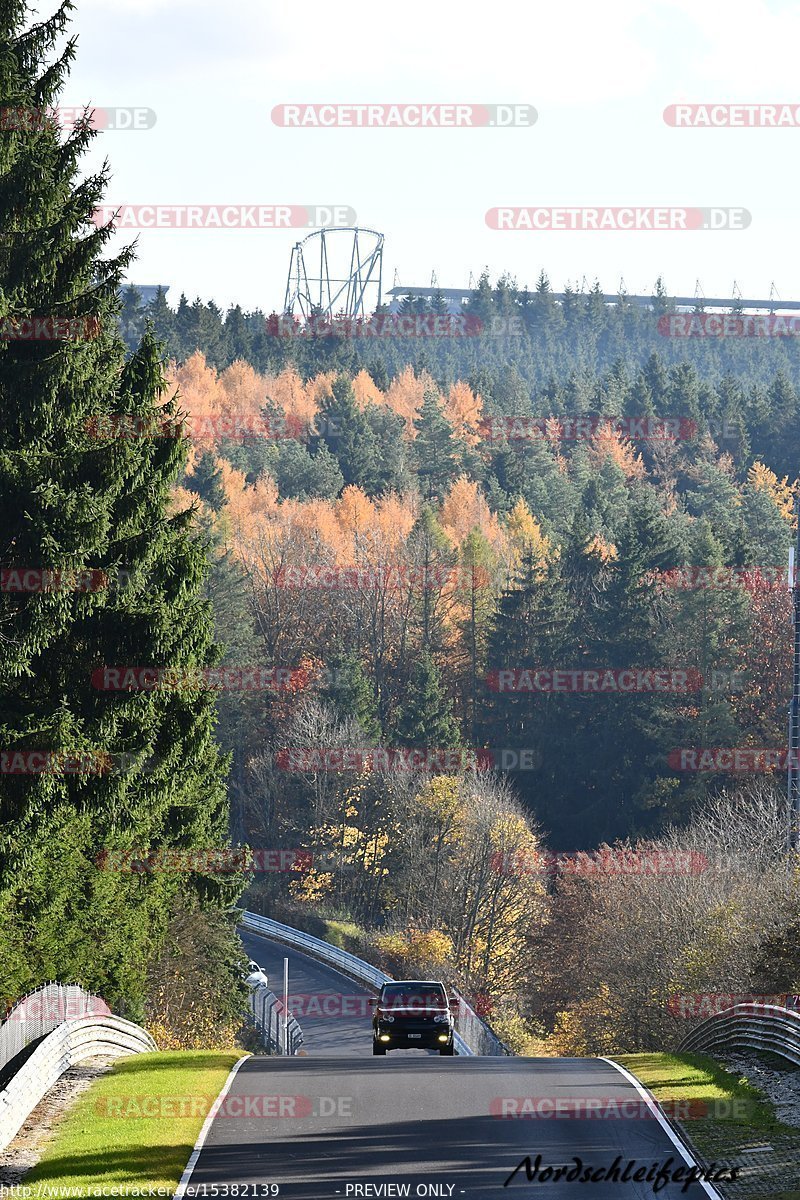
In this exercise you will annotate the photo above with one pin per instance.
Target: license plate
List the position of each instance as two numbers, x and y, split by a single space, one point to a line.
412 1035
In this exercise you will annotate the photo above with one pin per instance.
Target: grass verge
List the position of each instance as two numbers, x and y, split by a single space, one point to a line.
134 1128
697 1086
724 1117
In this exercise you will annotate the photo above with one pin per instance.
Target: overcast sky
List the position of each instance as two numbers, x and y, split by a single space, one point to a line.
599 76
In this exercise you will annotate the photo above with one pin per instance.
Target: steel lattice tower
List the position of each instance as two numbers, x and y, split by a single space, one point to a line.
356 258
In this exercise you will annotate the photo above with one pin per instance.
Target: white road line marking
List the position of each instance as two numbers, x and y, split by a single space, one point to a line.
204 1132
652 1104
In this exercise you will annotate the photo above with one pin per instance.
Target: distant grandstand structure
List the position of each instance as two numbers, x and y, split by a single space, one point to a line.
454 298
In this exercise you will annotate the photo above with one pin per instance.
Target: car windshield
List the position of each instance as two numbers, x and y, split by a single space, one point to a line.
409 996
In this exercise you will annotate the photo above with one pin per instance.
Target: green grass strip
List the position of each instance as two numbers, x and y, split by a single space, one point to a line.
707 1089
134 1128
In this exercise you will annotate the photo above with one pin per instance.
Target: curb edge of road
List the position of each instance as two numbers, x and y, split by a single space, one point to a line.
206 1129
678 1142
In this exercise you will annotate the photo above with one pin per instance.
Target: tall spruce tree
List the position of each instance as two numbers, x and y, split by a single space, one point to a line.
349 692
346 432
425 718
71 501
533 629
435 449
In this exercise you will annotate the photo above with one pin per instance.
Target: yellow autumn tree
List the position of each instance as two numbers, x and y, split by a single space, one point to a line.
292 396
604 551
320 388
527 538
249 508
504 905
243 391
587 1028
394 518
761 479
355 513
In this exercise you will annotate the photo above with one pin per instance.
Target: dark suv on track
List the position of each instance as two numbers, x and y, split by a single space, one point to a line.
413 1014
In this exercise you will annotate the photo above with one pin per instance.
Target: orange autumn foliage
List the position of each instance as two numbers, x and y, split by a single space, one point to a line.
292 396
463 409
406 394
200 396
394 518
366 391
320 388
601 549
249 508
464 509
606 444
243 391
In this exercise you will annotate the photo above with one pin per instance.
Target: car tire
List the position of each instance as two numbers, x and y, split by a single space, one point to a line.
447 1049
378 1049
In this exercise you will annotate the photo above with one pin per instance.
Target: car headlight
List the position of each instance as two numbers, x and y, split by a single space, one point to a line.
442 1017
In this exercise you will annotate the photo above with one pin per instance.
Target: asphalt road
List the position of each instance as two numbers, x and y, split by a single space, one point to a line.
332 1011
339 1124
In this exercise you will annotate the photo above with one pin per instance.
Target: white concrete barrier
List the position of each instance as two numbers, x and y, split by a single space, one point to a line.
70 1043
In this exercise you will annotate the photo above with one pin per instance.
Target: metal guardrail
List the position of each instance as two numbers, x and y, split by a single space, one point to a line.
749 1026
472 1036
476 1033
279 1036
42 1011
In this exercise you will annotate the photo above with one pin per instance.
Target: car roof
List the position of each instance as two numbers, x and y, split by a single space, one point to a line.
414 983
